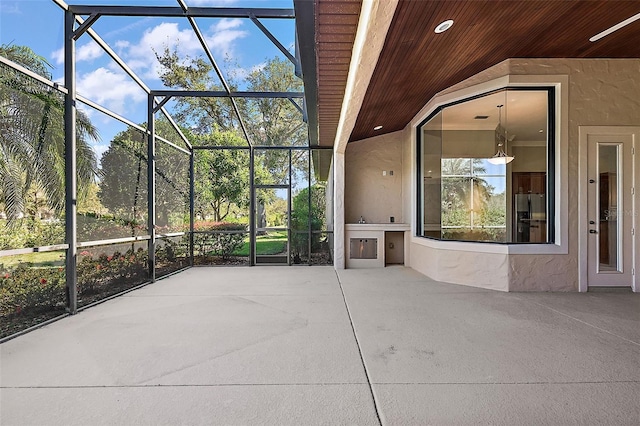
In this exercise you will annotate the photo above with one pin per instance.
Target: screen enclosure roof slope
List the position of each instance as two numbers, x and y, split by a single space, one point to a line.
195 22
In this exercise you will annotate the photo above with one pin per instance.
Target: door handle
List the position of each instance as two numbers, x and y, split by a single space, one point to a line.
593 231
591 222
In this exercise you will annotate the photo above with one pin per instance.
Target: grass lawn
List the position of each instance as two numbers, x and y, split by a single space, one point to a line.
38 260
272 243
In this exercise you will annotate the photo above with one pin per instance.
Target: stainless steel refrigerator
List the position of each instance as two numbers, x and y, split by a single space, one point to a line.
530 218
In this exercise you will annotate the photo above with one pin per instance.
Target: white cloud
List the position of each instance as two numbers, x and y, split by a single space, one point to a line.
258 67
127 28
89 112
116 91
122 44
100 148
89 52
243 73
222 42
220 38
86 52
227 24
156 38
58 56
111 87
238 73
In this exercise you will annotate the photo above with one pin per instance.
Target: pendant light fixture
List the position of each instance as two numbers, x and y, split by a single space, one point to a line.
501 156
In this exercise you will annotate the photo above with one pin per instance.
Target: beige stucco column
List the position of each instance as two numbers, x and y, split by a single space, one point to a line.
375 19
338 211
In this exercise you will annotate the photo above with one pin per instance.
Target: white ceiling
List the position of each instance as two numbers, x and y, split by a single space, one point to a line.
524 114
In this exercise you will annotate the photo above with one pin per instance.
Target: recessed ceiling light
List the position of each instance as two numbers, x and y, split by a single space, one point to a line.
616 27
377 128
444 26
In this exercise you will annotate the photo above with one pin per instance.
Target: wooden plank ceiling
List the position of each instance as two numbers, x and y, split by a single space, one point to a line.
336 23
416 63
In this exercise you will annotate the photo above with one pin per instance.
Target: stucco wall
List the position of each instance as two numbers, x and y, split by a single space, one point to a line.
367 192
485 270
329 198
408 178
601 92
373 24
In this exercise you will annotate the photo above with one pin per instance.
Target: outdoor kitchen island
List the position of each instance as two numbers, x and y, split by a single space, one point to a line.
376 245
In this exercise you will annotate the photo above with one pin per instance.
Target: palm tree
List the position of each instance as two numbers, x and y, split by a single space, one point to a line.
32 136
463 191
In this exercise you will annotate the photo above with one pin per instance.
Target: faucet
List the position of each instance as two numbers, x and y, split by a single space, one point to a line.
361 220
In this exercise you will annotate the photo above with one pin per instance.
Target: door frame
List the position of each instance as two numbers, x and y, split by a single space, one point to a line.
583 221
255 229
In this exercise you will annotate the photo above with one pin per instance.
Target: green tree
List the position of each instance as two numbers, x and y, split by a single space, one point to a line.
90 202
272 121
123 188
222 176
463 191
301 218
269 122
277 212
32 136
203 115
276 122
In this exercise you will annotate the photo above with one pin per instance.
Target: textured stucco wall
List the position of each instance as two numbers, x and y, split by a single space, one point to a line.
601 92
367 192
329 198
374 22
485 270
408 198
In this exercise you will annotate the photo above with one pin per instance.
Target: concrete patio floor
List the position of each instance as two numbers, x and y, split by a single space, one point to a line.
300 346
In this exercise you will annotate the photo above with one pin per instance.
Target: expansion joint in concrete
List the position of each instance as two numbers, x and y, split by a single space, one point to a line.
364 365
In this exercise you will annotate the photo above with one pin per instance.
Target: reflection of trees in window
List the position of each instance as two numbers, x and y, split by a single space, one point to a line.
469 200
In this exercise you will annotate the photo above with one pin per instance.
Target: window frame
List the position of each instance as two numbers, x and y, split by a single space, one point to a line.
552 121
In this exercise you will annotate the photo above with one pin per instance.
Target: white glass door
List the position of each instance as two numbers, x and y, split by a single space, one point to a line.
610 211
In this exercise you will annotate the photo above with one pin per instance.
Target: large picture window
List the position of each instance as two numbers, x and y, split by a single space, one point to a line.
484 170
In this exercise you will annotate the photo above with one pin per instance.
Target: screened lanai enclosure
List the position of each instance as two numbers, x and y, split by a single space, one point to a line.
138 140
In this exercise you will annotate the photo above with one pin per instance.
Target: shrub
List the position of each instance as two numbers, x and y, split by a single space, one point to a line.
31 288
95 273
31 294
482 234
217 238
30 232
169 250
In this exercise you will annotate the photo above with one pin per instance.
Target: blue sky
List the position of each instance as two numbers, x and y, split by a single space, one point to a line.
39 25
